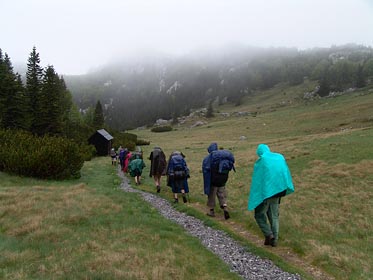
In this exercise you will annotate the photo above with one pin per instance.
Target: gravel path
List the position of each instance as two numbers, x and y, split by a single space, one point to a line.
247 265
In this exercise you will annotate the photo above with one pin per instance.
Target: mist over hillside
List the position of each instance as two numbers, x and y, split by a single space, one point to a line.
138 90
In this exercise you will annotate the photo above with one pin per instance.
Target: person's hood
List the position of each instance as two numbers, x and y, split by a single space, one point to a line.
262 149
212 147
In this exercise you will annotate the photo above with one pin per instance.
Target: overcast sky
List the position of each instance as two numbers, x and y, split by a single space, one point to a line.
77 35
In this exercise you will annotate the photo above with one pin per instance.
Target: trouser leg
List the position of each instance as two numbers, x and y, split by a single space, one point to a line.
211 197
261 218
273 215
221 193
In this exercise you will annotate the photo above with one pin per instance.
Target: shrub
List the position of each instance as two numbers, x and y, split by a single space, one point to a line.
88 152
161 128
125 139
141 142
47 157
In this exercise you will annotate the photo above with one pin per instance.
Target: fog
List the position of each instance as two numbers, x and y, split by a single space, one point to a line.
77 36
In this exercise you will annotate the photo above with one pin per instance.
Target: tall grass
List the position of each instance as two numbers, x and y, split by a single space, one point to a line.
91 229
326 223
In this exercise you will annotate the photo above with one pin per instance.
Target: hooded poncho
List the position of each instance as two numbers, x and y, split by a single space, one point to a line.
206 168
271 176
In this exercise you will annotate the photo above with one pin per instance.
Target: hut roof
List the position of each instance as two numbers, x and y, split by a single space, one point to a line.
105 134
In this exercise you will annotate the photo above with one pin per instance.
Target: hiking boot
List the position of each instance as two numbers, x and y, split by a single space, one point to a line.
158 189
185 199
211 213
226 215
176 200
269 239
273 242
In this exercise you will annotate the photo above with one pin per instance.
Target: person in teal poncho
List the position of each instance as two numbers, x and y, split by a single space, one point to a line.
271 180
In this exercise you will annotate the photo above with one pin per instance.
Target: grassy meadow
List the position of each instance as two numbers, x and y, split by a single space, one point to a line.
325 226
91 229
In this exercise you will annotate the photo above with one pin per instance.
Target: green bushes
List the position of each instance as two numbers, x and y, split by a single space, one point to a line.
161 128
46 157
142 142
125 139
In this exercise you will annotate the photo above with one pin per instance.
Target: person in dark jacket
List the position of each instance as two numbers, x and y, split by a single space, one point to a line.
177 175
214 181
158 165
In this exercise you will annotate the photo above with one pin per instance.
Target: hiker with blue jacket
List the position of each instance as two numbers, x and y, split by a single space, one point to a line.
177 175
215 169
271 180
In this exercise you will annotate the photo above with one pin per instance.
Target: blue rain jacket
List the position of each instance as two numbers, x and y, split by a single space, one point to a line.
206 168
271 176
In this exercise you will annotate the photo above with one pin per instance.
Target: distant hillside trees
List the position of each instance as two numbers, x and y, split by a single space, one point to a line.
139 92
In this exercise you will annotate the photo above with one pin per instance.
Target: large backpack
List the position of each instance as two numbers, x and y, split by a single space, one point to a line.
222 162
177 168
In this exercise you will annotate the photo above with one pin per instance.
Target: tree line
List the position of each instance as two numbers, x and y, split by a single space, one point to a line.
40 102
136 93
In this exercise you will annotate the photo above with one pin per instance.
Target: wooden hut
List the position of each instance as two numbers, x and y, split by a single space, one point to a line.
102 140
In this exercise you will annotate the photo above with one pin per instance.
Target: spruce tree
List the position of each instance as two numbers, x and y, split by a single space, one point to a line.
210 110
33 88
49 115
2 84
12 111
98 116
360 77
13 93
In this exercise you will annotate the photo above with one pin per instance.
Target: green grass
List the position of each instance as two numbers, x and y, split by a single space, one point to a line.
326 223
91 229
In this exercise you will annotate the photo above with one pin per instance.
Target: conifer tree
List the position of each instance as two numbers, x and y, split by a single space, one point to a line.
2 85
98 116
360 77
210 110
12 109
49 116
33 87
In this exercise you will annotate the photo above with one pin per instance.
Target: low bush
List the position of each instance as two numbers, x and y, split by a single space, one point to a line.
46 157
161 128
124 139
141 142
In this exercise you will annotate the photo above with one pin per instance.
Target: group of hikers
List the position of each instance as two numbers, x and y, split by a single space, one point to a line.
271 180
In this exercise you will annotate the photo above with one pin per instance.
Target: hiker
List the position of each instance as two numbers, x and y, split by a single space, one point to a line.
113 156
271 180
215 169
157 166
122 155
126 160
177 175
135 167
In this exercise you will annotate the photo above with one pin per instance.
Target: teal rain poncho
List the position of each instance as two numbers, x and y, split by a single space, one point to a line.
271 176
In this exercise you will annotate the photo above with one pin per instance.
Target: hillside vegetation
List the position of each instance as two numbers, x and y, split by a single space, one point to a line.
139 90
325 226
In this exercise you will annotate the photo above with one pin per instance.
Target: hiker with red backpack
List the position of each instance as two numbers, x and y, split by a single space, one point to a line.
215 169
177 175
